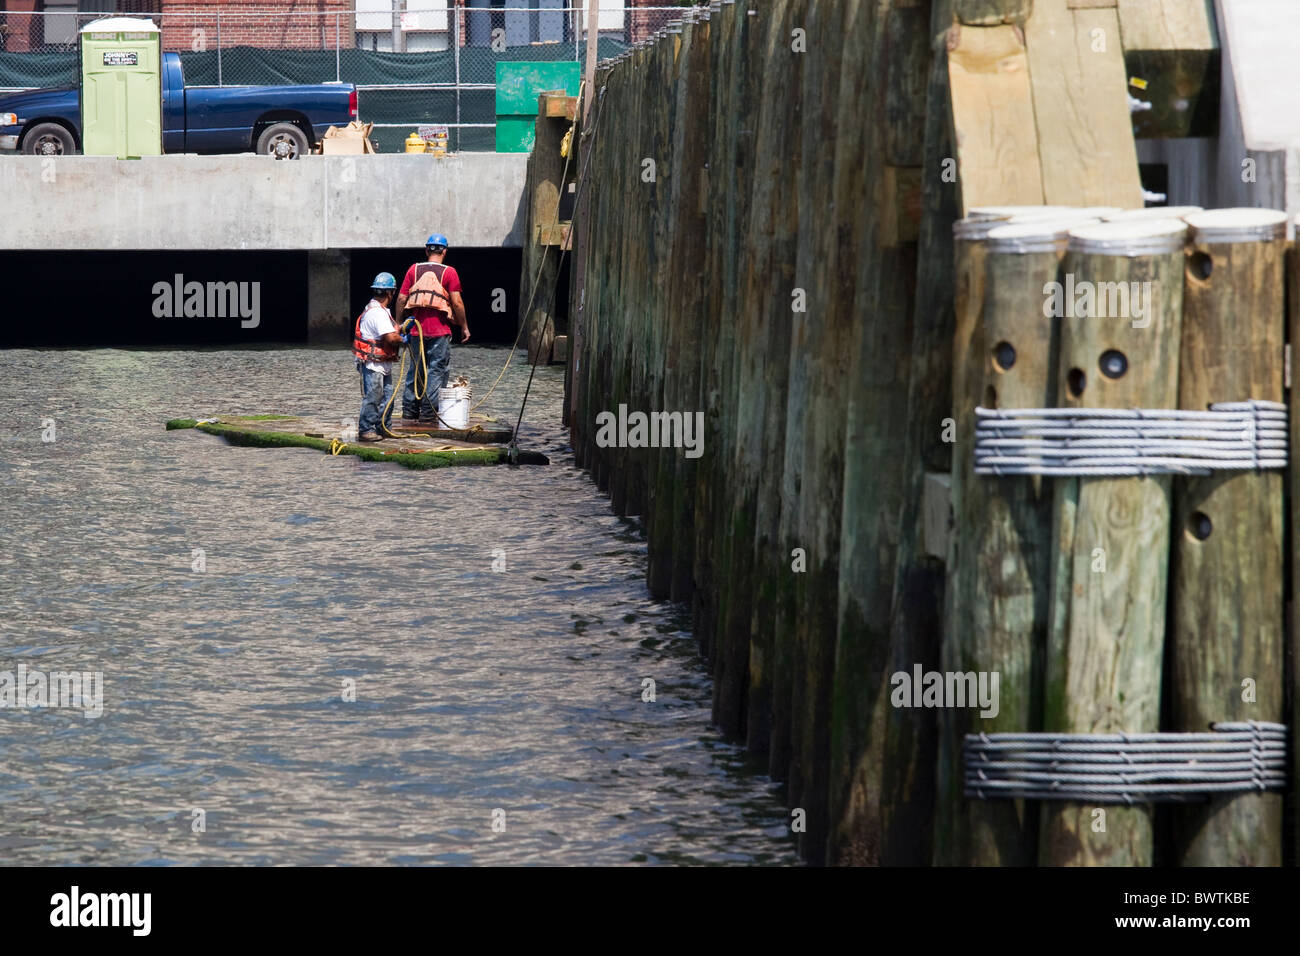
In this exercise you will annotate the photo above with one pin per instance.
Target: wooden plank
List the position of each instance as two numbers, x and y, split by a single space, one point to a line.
560 105
556 234
1173 47
985 13
1228 554
993 118
1085 132
1167 25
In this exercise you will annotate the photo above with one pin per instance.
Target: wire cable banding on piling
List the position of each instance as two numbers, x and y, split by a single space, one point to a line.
1236 757
1064 442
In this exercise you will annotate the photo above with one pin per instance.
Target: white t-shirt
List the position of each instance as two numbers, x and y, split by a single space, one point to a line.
375 322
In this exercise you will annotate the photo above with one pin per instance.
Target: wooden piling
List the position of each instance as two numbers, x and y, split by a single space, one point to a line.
720 181
671 540
826 270
658 461
687 303
883 71
1291 672
752 558
891 821
1109 588
998 584
547 177
730 661
1227 575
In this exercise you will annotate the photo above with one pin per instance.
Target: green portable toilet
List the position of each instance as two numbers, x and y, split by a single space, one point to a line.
121 88
518 85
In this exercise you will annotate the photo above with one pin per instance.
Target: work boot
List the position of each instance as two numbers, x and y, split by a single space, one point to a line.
410 417
370 436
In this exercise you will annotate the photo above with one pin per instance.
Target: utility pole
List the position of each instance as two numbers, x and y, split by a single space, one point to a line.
399 38
593 38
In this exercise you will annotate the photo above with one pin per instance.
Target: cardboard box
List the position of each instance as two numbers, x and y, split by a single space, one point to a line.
350 140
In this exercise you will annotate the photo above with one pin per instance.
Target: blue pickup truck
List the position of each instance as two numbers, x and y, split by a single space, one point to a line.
280 121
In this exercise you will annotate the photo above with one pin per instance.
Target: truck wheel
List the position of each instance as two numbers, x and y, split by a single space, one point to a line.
283 141
49 139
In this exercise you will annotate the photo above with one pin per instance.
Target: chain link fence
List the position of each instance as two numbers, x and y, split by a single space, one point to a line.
414 62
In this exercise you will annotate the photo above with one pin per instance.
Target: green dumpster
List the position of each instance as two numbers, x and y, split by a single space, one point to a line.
121 88
518 85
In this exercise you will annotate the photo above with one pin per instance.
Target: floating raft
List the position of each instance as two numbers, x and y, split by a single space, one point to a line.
414 447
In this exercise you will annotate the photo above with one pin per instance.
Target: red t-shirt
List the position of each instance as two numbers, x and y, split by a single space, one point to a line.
432 321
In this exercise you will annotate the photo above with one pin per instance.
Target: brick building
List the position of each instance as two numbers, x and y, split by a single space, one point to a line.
34 25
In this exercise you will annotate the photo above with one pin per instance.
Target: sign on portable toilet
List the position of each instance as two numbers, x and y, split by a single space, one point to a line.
121 88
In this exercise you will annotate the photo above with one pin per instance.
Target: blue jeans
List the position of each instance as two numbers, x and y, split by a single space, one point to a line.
437 353
376 390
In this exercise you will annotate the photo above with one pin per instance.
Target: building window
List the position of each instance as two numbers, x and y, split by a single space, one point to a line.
418 24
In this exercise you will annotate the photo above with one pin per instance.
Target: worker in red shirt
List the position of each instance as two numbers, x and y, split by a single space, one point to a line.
431 292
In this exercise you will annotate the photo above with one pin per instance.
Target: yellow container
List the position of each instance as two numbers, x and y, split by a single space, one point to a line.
415 143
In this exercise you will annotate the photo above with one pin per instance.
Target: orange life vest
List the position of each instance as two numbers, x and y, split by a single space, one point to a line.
370 351
428 291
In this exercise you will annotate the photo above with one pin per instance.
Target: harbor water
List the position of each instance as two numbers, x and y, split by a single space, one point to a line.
309 659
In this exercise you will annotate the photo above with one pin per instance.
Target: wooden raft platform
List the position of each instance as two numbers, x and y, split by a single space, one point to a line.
417 446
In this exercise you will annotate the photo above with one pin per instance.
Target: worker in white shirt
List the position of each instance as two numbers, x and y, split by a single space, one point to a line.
375 342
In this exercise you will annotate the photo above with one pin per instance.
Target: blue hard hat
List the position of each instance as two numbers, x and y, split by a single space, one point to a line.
437 239
384 281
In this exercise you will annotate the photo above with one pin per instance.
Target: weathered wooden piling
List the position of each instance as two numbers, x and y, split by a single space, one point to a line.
732 541
884 67
1225 633
1291 674
891 821
715 332
549 176
827 269
755 559
998 586
1111 535
671 538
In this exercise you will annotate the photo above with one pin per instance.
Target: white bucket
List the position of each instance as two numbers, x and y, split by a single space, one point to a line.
453 407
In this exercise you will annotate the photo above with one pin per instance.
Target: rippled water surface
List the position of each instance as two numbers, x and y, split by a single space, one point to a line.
224 688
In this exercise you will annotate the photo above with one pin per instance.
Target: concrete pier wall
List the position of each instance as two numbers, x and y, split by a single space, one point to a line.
248 202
